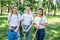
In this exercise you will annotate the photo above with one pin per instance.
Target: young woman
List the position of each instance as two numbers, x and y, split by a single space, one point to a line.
27 18
40 23
14 23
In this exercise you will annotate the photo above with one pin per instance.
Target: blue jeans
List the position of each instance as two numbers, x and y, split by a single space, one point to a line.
13 35
40 34
28 34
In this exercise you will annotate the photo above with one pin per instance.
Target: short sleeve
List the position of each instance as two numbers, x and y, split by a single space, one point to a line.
45 20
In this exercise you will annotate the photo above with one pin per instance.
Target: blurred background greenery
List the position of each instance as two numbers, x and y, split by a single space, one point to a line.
51 10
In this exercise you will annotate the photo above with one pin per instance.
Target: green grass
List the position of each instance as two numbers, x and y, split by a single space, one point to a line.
3 27
52 31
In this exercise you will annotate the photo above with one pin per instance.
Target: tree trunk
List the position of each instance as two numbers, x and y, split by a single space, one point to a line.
18 3
54 10
43 5
55 2
8 6
1 7
49 7
8 9
1 10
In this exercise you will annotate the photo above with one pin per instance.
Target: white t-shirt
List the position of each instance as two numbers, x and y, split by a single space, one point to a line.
32 13
27 18
42 20
14 18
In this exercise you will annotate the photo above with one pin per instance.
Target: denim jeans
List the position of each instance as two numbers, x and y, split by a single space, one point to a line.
13 35
28 34
40 34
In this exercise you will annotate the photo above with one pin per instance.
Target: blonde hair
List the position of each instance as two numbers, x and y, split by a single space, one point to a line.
12 11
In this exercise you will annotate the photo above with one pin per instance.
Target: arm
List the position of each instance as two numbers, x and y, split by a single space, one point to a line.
18 25
23 27
30 26
31 23
45 22
34 25
9 16
19 19
22 24
9 25
22 21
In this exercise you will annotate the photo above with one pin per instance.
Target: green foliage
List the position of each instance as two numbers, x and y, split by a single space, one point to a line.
21 8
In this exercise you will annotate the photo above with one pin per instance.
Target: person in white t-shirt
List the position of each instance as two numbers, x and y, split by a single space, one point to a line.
14 22
40 22
27 19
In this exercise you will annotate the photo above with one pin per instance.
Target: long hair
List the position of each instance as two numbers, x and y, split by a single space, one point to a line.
12 11
41 10
12 8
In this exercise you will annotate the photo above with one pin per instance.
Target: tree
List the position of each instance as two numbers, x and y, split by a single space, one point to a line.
54 2
1 6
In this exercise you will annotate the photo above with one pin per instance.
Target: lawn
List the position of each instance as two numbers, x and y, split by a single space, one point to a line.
52 31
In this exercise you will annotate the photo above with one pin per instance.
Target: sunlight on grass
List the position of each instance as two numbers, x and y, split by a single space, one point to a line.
3 16
53 20
52 31
55 32
3 25
5 21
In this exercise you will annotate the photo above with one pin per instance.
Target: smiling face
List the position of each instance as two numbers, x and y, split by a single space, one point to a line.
40 12
28 9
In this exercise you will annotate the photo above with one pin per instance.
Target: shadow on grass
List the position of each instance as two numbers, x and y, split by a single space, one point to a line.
3 20
3 14
3 27
53 32
58 16
3 32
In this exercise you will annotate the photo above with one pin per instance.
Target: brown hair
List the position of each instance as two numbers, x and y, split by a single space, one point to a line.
12 8
41 10
28 6
31 9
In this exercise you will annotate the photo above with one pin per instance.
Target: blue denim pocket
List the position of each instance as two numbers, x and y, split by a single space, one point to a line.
12 35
